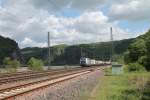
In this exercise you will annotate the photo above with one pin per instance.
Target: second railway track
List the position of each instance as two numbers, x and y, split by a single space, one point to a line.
29 75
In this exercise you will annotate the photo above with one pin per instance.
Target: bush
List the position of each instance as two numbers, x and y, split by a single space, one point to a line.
7 61
35 64
15 64
11 64
134 67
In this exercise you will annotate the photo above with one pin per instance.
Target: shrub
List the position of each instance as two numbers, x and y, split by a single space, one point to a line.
11 64
35 64
7 61
15 64
134 67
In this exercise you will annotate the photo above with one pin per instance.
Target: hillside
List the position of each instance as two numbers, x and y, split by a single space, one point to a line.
9 48
63 54
139 51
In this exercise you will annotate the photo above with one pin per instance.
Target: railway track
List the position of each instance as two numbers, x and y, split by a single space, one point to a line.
29 75
22 73
12 74
34 80
15 90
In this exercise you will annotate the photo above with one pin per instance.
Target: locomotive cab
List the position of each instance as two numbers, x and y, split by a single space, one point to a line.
84 61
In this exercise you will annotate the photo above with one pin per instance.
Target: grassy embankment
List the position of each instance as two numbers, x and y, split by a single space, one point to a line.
128 86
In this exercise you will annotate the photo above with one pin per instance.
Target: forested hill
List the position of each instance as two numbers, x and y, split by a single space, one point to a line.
8 48
139 51
63 54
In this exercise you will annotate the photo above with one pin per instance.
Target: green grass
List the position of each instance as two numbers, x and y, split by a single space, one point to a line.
128 86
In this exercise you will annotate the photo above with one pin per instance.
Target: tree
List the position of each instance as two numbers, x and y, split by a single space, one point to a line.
126 57
35 64
7 48
148 45
147 57
137 49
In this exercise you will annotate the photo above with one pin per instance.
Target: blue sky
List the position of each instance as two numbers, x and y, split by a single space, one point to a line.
72 21
70 13
134 26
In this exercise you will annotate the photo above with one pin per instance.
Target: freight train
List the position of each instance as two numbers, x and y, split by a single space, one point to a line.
85 62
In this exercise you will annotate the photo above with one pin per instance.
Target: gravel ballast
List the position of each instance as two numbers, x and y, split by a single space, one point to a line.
74 89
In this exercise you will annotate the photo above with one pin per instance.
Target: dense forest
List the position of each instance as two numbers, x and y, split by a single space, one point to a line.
9 48
139 51
63 54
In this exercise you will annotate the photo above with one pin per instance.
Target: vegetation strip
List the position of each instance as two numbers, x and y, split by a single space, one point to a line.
128 86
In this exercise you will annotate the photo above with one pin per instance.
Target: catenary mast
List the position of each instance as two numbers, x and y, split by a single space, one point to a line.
49 58
112 45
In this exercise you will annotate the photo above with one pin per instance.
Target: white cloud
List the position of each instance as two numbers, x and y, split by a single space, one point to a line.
29 25
131 10
27 42
91 22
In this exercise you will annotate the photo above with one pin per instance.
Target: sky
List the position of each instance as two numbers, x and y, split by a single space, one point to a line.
72 21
